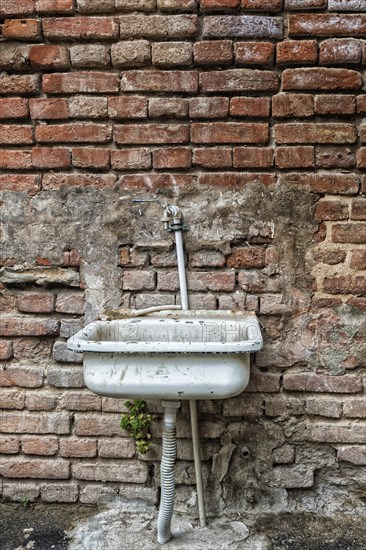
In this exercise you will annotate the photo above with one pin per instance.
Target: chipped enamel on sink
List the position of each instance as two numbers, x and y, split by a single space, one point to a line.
169 355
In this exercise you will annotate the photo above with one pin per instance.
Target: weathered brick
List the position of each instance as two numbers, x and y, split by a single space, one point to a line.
340 432
214 157
171 54
62 354
24 467
159 81
252 157
6 350
293 477
263 382
54 6
16 107
363 133
9 445
15 134
354 408
81 401
134 53
82 28
236 179
305 4
239 80
48 108
60 179
283 455
70 303
209 107
73 133
131 159
106 424
229 132
65 377
116 448
334 157
246 258
14 56
349 233
151 133
40 401
127 107
316 406
254 53
334 24
354 455
212 5
331 210
78 448
24 326
35 302
83 157
292 105
345 285
256 282
50 157
173 157
274 304
22 29
37 423
340 51
358 259
172 5
294 157
307 382
59 492
16 84
250 106
155 181
246 405
312 132
202 301
358 209
13 159
207 258
138 280
69 327
320 79
19 183
260 5
95 6
82 82
90 56
213 52
136 5
168 107
278 406
26 377
242 26
11 398
158 26
49 57
14 7
338 104
122 471
297 52
33 445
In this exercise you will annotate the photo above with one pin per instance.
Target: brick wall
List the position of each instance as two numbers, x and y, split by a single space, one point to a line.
247 114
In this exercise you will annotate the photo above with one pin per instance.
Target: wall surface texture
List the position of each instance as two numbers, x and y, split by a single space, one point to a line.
248 115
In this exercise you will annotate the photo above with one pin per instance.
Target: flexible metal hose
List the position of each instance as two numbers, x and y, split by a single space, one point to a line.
169 454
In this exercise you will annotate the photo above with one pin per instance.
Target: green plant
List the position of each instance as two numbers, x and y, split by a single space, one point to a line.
25 502
137 423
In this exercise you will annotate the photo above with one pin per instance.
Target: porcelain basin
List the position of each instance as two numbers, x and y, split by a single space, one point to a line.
169 355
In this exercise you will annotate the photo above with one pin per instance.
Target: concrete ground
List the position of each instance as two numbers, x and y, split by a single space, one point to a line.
71 527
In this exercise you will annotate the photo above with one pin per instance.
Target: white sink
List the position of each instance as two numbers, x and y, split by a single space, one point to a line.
169 355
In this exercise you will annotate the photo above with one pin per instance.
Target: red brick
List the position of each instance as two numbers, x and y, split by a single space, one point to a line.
168 107
22 467
159 81
71 258
229 132
61 179
155 181
308 382
22 29
14 7
239 80
78 448
80 82
260 5
16 134
25 377
172 157
294 157
50 157
83 157
127 107
252 157
21 183
345 285
9 445
297 52
131 159
334 157
256 282
340 51
213 52
36 302
151 133
16 84
14 159
358 303
361 103
33 445
49 57
73 133
158 27
358 209
84 28
54 6
121 471
48 108
236 179
6 350
321 79
292 105
361 157
95 6
212 5
213 157
315 133
332 183
250 106
349 233
335 104
331 210
358 259
254 53
209 107
246 258
24 326
93 424
13 108
335 24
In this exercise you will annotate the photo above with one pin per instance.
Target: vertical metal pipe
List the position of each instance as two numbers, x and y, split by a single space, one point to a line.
192 402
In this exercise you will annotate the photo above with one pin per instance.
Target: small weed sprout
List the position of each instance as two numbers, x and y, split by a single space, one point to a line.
25 502
137 423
